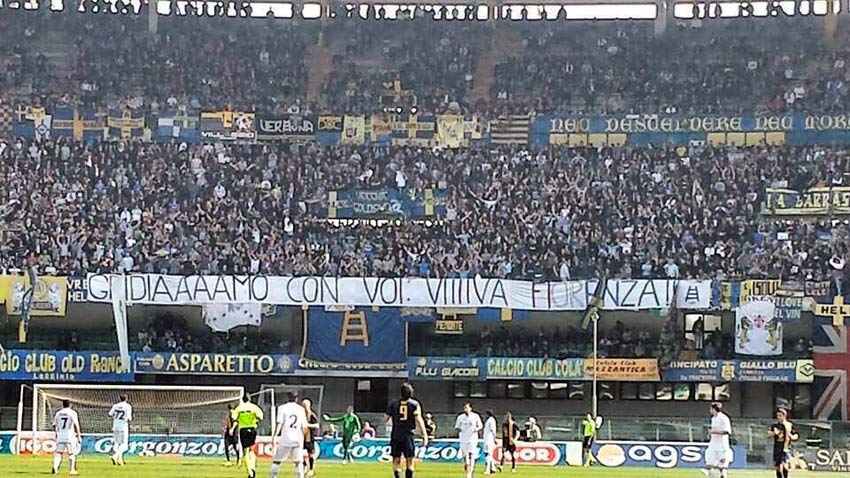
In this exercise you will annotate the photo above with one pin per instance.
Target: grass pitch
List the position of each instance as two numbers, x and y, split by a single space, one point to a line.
165 467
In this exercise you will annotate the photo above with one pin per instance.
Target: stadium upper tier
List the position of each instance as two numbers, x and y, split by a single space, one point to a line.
71 206
343 66
560 213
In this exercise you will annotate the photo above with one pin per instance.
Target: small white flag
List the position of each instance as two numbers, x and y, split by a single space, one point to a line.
42 127
223 317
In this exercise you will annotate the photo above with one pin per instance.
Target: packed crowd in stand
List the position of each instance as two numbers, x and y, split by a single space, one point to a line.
440 72
166 333
70 207
106 60
511 212
716 69
161 333
551 343
621 341
553 214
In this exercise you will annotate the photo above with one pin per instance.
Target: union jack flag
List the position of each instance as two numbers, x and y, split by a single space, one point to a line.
832 367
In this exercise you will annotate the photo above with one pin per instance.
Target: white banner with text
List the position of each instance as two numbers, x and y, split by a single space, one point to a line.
628 294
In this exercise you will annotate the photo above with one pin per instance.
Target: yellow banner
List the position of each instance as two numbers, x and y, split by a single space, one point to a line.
758 288
50 295
125 119
448 325
838 310
632 370
353 130
381 126
473 128
450 131
228 118
811 202
330 123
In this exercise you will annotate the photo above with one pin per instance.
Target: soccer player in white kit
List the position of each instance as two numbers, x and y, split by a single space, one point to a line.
291 425
718 456
66 425
122 415
468 424
490 442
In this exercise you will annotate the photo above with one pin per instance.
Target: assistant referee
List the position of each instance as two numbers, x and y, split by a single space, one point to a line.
248 418
588 432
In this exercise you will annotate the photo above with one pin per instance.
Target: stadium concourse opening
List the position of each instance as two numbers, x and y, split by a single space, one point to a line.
591 239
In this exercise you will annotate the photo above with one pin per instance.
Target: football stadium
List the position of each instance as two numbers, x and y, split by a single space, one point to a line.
433 239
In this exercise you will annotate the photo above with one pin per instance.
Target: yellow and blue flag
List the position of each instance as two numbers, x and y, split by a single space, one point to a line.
353 130
63 122
450 131
178 125
125 124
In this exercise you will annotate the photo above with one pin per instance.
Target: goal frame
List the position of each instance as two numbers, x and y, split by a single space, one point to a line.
38 388
272 390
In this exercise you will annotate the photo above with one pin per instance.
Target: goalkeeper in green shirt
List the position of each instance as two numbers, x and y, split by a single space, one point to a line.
351 426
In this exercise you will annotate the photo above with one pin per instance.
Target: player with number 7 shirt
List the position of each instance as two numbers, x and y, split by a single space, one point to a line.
66 425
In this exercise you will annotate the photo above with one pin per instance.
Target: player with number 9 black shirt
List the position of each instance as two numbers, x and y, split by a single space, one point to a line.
406 417
403 414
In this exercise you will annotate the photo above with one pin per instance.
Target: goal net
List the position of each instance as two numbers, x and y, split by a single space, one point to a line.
271 396
156 409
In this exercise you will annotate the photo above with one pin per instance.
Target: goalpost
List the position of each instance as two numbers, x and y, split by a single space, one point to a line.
271 396
157 409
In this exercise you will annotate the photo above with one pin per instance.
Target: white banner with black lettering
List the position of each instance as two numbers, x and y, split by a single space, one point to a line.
400 292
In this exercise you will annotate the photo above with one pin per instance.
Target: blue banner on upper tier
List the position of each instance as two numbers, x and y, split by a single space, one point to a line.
741 130
55 366
177 126
449 131
386 203
789 371
359 336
